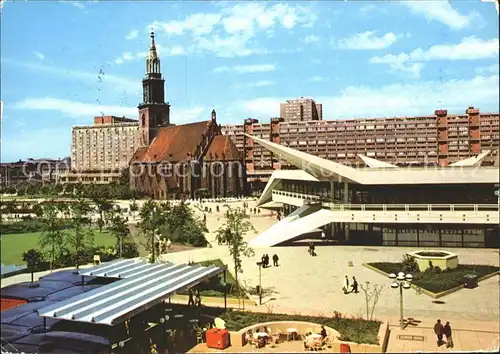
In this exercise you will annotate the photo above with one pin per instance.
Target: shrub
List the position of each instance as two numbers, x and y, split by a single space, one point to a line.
409 264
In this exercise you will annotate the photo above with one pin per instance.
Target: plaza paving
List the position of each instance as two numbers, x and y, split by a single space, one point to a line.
312 285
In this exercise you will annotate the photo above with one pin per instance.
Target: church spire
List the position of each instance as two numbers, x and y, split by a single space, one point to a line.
152 60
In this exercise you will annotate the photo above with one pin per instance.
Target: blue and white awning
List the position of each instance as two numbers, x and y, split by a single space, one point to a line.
142 285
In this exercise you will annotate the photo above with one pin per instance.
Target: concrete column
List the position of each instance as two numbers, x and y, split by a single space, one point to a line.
332 191
346 201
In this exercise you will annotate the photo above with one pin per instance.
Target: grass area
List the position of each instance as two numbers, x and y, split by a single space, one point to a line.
351 329
214 287
437 282
14 245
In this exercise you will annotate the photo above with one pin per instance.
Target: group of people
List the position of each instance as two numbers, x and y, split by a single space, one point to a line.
194 298
354 285
265 260
441 330
312 249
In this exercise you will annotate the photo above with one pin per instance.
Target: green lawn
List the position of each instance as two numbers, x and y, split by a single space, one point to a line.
14 245
442 281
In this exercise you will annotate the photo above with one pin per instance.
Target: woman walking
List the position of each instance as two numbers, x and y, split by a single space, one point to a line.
447 333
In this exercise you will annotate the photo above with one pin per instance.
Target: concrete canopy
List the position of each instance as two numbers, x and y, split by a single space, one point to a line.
326 170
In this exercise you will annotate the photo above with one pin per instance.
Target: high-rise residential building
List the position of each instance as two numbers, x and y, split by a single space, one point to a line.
438 139
107 145
301 109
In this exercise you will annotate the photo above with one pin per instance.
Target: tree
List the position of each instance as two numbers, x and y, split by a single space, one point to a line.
232 232
372 296
52 236
83 238
34 261
119 228
151 218
103 206
181 225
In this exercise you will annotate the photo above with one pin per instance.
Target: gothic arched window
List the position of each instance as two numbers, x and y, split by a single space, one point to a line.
143 120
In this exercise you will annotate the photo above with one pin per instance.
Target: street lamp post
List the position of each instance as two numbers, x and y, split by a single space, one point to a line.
260 282
401 281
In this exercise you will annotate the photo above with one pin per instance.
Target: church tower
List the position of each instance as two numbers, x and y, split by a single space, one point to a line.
153 111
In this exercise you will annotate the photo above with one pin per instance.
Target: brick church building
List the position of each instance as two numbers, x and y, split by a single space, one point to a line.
176 161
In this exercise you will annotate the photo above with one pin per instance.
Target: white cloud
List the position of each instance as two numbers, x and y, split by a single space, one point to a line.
310 39
99 77
132 35
77 4
229 32
39 55
441 11
470 48
162 52
245 69
261 83
74 109
77 109
367 41
420 98
491 69
367 8
318 79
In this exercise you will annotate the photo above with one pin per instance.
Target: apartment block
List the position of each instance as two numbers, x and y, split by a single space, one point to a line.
108 145
438 139
302 109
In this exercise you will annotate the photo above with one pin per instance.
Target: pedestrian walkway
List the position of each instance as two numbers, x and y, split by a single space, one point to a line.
467 336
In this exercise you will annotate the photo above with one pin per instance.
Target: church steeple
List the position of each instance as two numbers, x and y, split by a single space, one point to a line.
152 60
153 111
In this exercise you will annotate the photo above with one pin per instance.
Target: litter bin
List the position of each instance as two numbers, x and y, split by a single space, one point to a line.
470 281
257 289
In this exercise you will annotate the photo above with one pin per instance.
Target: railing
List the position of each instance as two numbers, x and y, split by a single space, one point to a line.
339 205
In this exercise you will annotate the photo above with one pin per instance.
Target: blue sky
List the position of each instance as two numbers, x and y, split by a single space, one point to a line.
64 62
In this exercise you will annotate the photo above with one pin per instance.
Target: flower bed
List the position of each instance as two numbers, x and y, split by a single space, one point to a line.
439 281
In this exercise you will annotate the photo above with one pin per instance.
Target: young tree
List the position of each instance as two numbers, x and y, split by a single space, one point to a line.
232 233
119 228
52 236
34 261
152 218
83 238
103 206
372 296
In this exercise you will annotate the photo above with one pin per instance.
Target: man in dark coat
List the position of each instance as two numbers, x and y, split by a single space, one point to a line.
275 260
438 330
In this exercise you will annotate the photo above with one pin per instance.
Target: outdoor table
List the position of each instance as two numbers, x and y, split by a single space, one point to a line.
292 332
315 336
261 335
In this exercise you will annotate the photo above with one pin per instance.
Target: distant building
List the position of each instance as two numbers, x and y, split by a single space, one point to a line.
301 109
175 161
33 171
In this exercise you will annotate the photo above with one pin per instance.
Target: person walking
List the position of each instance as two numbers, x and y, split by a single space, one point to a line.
191 299
346 285
438 330
263 260
447 333
354 285
267 260
275 260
